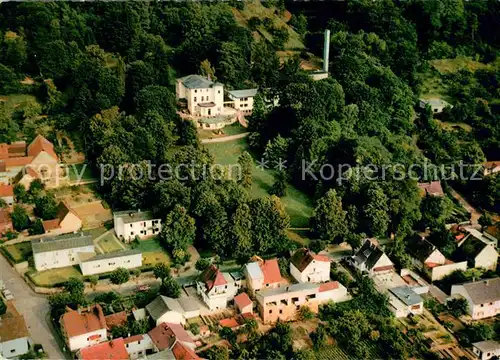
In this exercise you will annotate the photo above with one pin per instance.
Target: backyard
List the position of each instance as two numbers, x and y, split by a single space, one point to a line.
19 252
298 205
54 277
109 243
80 172
152 252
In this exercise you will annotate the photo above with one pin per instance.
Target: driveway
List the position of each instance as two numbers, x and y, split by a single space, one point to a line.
34 307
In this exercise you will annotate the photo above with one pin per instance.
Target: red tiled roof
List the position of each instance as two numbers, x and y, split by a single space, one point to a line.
332 285
383 268
212 277
271 271
230 323
303 257
31 172
17 148
431 265
50 224
448 262
165 335
3 166
78 324
6 190
182 352
248 316
117 319
431 188
41 144
242 300
114 349
134 338
17 161
459 237
4 151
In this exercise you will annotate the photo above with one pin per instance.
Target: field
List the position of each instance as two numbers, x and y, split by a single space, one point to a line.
16 101
454 65
152 252
332 352
298 205
109 243
20 251
80 172
55 276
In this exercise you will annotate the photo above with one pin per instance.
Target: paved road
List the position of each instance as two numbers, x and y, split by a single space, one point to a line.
225 138
34 307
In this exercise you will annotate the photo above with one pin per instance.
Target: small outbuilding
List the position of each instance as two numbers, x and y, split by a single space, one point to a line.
243 303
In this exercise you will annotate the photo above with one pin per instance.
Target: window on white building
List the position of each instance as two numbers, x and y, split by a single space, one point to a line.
195 91
195 98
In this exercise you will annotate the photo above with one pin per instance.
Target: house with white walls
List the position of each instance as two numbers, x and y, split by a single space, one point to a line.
242 99
305 266
403 301
84 327
15 339
477 250
262 274
217 288
7 194
372 260
138 346
107 262
66 221
486 350
204 97
483 297
61 251
166 309
132 223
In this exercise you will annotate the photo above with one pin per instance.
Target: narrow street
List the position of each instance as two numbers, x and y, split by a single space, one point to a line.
34 307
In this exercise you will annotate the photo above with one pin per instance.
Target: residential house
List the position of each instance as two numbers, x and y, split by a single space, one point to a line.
485 237
431 188
483 297
9 168
491 167
5 222
216 288
118 319
486 350
103 263
16 149
203 96
177 352
61 251
262 274
477 252
426 257
437 105
243 303
7 194
26 176
165 309
45 161
243 99
305 266
372 260
129 224
15 339
66 221
138 346
284 303
403 301
84 327
166 335
112 350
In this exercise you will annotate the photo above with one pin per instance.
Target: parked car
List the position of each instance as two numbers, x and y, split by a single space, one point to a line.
143 288
8 295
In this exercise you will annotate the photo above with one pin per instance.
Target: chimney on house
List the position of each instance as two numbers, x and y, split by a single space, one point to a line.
326 51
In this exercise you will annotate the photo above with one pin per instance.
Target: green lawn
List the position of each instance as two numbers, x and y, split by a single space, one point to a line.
109 243
298 205
20 251
55 276
16 101
152 252
79 172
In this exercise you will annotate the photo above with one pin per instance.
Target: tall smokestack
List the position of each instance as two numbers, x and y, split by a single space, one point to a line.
326 51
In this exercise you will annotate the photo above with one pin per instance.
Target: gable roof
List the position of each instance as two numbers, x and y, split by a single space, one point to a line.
303 257
132 216
41 144
116 319
271 271
161 305
369 254
112 255
431 188
165 335
483 291
133 338
87 320
211 277
6 190
487 346
229 322
114 349
242 300
12 325
61 242
182 352
63 210
242 93
420 248
469 249
16 162
196 82
331 285
254 270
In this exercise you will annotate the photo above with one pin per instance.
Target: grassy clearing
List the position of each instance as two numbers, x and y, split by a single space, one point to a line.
152 252
15 101
301 237
298 205
110 243
20 252
55 276
454 65
233 129
79 172
450 126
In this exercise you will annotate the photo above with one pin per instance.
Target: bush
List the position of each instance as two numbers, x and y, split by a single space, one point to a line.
3 307
306 313
194 328
119 276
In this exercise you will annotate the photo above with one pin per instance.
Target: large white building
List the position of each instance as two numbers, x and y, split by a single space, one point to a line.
203 96
84 327
129 224
243 99
165 309
217 288
306 266
483 297
102 263
61 251
403 301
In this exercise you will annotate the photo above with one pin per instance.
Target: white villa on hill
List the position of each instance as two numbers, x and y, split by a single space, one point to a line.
129 224
243 99
203 96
